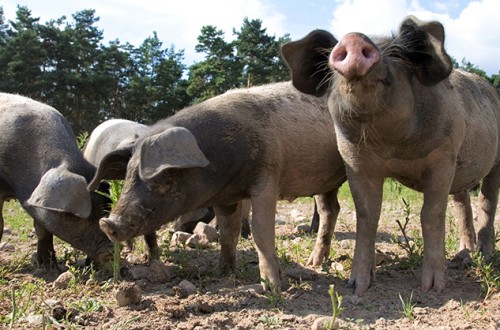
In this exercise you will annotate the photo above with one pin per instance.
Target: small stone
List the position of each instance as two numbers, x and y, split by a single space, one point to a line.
6 246
280 221
300 218
195 241
302 228
53 303
134 259
379 258
345 244
256 288
205 308
63 280
127 293
188 286
337 267
179 238
35 319
7 231
159 272
323 323
303 274
206 231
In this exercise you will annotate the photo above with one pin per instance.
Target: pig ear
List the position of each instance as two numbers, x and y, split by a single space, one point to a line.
113 166
62 191
307 59
425 44
174 148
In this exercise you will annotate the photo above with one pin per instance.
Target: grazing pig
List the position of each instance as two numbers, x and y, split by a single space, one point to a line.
401 110
114 134
41 166
264 143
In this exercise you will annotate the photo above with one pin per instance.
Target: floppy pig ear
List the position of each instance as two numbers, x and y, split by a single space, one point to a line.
62 191
113 166
307 59
174 148
426 50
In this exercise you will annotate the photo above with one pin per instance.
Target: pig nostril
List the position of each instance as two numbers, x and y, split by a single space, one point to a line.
368 52
340 55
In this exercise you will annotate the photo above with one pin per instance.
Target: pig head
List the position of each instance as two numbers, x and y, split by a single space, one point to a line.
41 166
400 110
265 143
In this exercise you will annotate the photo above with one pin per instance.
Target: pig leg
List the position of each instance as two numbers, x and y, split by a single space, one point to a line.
436 190
229 222
328 209
315 219
463 213
1 218
154 250
245 218
367 194
488 199
46 255
263 221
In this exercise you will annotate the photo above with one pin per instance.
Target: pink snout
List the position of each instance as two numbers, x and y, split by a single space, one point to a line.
114 229
354 56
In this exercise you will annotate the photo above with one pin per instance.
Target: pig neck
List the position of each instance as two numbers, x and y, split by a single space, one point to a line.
372 126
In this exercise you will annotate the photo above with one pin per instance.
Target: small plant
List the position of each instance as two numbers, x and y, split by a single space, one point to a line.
408 306
489 278
270 320
336 307
274 297
81 139
414 248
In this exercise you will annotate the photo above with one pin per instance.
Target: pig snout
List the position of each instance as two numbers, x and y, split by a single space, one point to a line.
115 228
354 56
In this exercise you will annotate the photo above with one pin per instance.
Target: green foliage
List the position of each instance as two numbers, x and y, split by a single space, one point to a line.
336 306
489 277
408 306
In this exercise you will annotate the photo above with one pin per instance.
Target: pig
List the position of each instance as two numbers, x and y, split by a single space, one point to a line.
264 143
400 110
113 134
42 167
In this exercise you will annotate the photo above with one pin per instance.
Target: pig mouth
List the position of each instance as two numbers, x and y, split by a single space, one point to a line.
117 230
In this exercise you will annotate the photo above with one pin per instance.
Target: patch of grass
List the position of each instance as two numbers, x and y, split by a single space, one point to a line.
270 320
413 247
489 277
408 306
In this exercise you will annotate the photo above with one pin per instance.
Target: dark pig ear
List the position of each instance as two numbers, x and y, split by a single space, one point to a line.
113 166
425 44
174 148
307 59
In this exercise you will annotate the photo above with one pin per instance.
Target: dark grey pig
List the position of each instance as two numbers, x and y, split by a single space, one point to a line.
42 167
265 143
114 134
401 110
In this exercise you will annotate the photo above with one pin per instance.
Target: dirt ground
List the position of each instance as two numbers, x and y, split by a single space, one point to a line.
233 302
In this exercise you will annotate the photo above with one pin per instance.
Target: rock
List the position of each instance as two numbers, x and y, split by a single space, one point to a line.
345 244
303 228
127 293
184 289
156 272
159 272
7 231
300 218
6 246
322 323
337 267
204 230
197 241
179 238
63 280
36 319
256 288
379 258
303 274
53 303
294 213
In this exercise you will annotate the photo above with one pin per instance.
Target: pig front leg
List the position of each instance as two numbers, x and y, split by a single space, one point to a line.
488 199
367 194
328 209
229 222
436 189
46 255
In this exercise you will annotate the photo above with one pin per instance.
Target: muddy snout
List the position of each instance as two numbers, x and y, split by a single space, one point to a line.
354 56
115 228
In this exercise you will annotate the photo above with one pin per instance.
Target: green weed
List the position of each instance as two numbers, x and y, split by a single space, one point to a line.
489 277
336 307
408 306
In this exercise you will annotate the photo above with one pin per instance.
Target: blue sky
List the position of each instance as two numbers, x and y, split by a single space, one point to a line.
472 28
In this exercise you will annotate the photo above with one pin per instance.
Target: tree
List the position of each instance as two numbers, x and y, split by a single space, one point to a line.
260 54
221 69
21 56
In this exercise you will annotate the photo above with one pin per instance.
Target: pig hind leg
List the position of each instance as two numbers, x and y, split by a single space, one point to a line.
463 213
488 200
229 223
328 209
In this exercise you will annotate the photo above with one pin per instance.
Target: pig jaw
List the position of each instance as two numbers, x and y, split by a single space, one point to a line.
117 228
